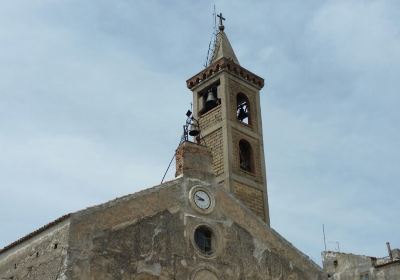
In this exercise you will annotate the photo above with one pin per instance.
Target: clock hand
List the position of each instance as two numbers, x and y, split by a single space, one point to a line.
200 198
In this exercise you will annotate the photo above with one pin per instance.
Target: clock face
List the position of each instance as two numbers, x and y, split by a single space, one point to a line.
202 199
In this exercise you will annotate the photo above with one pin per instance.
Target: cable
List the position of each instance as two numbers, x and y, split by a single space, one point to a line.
166 171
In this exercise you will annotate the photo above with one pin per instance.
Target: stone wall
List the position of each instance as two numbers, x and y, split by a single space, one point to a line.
387 272
114 240
343 266
193 160
346 266
147 249
41 257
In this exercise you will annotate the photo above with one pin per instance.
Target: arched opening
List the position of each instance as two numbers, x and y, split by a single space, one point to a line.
242 108
246 162
208 98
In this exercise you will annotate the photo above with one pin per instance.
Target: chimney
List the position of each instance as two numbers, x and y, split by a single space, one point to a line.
389 250
195 161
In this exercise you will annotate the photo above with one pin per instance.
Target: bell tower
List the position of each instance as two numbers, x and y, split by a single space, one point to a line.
226 104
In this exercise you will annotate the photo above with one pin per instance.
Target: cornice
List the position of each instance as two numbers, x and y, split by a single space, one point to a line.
225 64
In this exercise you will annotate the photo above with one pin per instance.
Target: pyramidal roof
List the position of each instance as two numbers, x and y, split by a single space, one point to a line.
223 48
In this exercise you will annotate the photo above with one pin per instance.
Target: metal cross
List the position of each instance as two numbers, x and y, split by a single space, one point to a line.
221 18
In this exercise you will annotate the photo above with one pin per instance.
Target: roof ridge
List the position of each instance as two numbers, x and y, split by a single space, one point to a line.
35 232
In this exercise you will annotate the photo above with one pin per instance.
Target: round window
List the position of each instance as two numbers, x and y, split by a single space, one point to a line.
205 240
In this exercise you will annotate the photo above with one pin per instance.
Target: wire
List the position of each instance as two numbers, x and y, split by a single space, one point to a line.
169 165
183 139
210 52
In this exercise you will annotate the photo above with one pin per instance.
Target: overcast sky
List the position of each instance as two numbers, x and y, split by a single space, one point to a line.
93 98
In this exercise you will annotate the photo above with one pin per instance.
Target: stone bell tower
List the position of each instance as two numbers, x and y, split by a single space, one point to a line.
226 104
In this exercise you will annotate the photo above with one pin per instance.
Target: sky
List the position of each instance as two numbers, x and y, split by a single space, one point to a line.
93 99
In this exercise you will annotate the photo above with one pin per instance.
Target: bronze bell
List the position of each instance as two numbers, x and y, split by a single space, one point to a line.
211 101
242 114
193 130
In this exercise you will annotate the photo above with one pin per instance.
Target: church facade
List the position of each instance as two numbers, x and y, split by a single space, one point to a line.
211 222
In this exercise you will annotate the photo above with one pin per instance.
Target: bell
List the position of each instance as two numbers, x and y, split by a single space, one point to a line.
193 130
242 114
211 100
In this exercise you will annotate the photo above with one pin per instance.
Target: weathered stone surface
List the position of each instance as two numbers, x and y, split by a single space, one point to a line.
343 266
142 248
41 257
195 161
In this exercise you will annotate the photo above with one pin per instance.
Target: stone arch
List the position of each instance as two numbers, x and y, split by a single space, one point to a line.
246 156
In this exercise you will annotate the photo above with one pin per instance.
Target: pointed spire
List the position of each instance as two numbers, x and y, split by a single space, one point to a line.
222 47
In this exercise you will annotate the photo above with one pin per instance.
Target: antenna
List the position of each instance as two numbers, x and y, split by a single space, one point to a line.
210 51
215 19
323 231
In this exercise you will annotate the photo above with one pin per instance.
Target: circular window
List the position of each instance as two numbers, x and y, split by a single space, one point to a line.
204 239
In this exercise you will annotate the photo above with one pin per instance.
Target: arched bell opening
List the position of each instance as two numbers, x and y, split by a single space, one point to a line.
246 157
243 109
208 98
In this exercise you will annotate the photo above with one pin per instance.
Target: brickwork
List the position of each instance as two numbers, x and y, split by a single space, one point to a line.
210 118
234 89
193 160
179 153
251 197
214 142
255 144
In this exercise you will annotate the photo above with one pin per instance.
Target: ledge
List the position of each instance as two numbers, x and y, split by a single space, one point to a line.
225 64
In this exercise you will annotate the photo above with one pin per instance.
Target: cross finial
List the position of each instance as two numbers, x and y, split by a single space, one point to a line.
221 23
